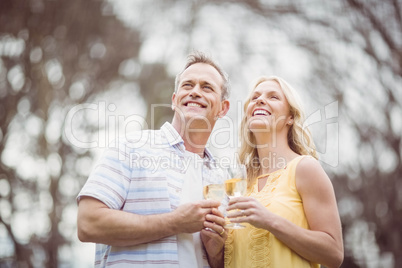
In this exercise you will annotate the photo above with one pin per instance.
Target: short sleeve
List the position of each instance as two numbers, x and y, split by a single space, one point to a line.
110 179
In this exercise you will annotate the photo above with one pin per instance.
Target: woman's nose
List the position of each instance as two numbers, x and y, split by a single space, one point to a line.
261 100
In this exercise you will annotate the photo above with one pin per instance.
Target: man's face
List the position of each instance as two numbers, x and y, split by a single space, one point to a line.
199 93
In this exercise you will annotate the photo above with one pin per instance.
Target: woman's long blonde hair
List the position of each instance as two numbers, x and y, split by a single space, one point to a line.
299 137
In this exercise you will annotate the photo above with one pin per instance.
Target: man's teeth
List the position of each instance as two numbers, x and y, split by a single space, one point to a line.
193 104
260 112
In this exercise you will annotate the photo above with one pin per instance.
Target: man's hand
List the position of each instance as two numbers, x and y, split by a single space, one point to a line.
190 217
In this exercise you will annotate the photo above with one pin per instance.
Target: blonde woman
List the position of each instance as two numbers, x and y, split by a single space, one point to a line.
290 210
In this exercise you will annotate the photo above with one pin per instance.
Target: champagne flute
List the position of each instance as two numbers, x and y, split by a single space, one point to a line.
213 178
236 185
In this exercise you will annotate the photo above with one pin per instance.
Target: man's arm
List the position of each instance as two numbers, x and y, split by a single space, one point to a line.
99 224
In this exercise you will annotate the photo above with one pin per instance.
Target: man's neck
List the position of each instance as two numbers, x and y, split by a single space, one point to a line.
195 136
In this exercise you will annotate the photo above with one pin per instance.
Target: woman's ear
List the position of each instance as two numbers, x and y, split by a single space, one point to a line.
290 121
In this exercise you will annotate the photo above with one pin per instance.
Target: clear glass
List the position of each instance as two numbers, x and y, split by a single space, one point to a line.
213 178
236 185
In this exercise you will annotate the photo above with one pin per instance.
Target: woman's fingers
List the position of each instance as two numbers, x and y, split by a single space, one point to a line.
239 199
237 213
241 203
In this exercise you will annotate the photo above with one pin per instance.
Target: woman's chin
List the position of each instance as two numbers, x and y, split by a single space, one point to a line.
259 125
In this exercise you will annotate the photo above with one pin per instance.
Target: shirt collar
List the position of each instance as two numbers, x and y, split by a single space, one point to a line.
208 155
171 134
173 138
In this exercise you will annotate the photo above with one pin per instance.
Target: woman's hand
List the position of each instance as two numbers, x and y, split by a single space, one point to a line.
248 209
213 236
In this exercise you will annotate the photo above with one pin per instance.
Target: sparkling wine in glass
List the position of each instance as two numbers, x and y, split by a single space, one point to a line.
236 185
213 178
213 191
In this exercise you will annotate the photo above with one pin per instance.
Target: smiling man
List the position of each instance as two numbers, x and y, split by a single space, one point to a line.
200 98
145 215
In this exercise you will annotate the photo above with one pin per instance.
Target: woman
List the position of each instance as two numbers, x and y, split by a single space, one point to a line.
290 210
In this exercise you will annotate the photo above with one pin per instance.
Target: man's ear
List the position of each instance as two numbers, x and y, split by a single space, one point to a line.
225 108
173 98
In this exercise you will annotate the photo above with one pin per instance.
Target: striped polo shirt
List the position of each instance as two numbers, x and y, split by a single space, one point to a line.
144 174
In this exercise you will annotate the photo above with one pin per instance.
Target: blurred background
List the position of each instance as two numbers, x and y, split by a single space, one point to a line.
76 74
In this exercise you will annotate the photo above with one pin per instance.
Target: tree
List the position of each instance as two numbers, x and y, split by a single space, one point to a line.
55 54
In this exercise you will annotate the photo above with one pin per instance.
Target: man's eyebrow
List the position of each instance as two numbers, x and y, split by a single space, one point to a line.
187 81
204 82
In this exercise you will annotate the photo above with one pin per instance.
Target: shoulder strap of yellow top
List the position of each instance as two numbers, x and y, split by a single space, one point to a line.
291 168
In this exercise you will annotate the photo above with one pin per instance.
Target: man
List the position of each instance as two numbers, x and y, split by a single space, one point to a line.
143 203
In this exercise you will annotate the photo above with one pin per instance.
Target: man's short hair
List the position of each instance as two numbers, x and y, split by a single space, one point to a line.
199 57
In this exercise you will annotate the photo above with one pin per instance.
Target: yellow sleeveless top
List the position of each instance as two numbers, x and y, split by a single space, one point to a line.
253 247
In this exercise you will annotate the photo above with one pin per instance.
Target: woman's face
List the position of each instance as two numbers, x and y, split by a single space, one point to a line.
268 108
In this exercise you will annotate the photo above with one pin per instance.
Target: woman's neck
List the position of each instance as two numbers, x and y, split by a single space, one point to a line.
273 152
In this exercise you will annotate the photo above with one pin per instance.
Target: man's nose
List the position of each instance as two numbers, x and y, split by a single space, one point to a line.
195 91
